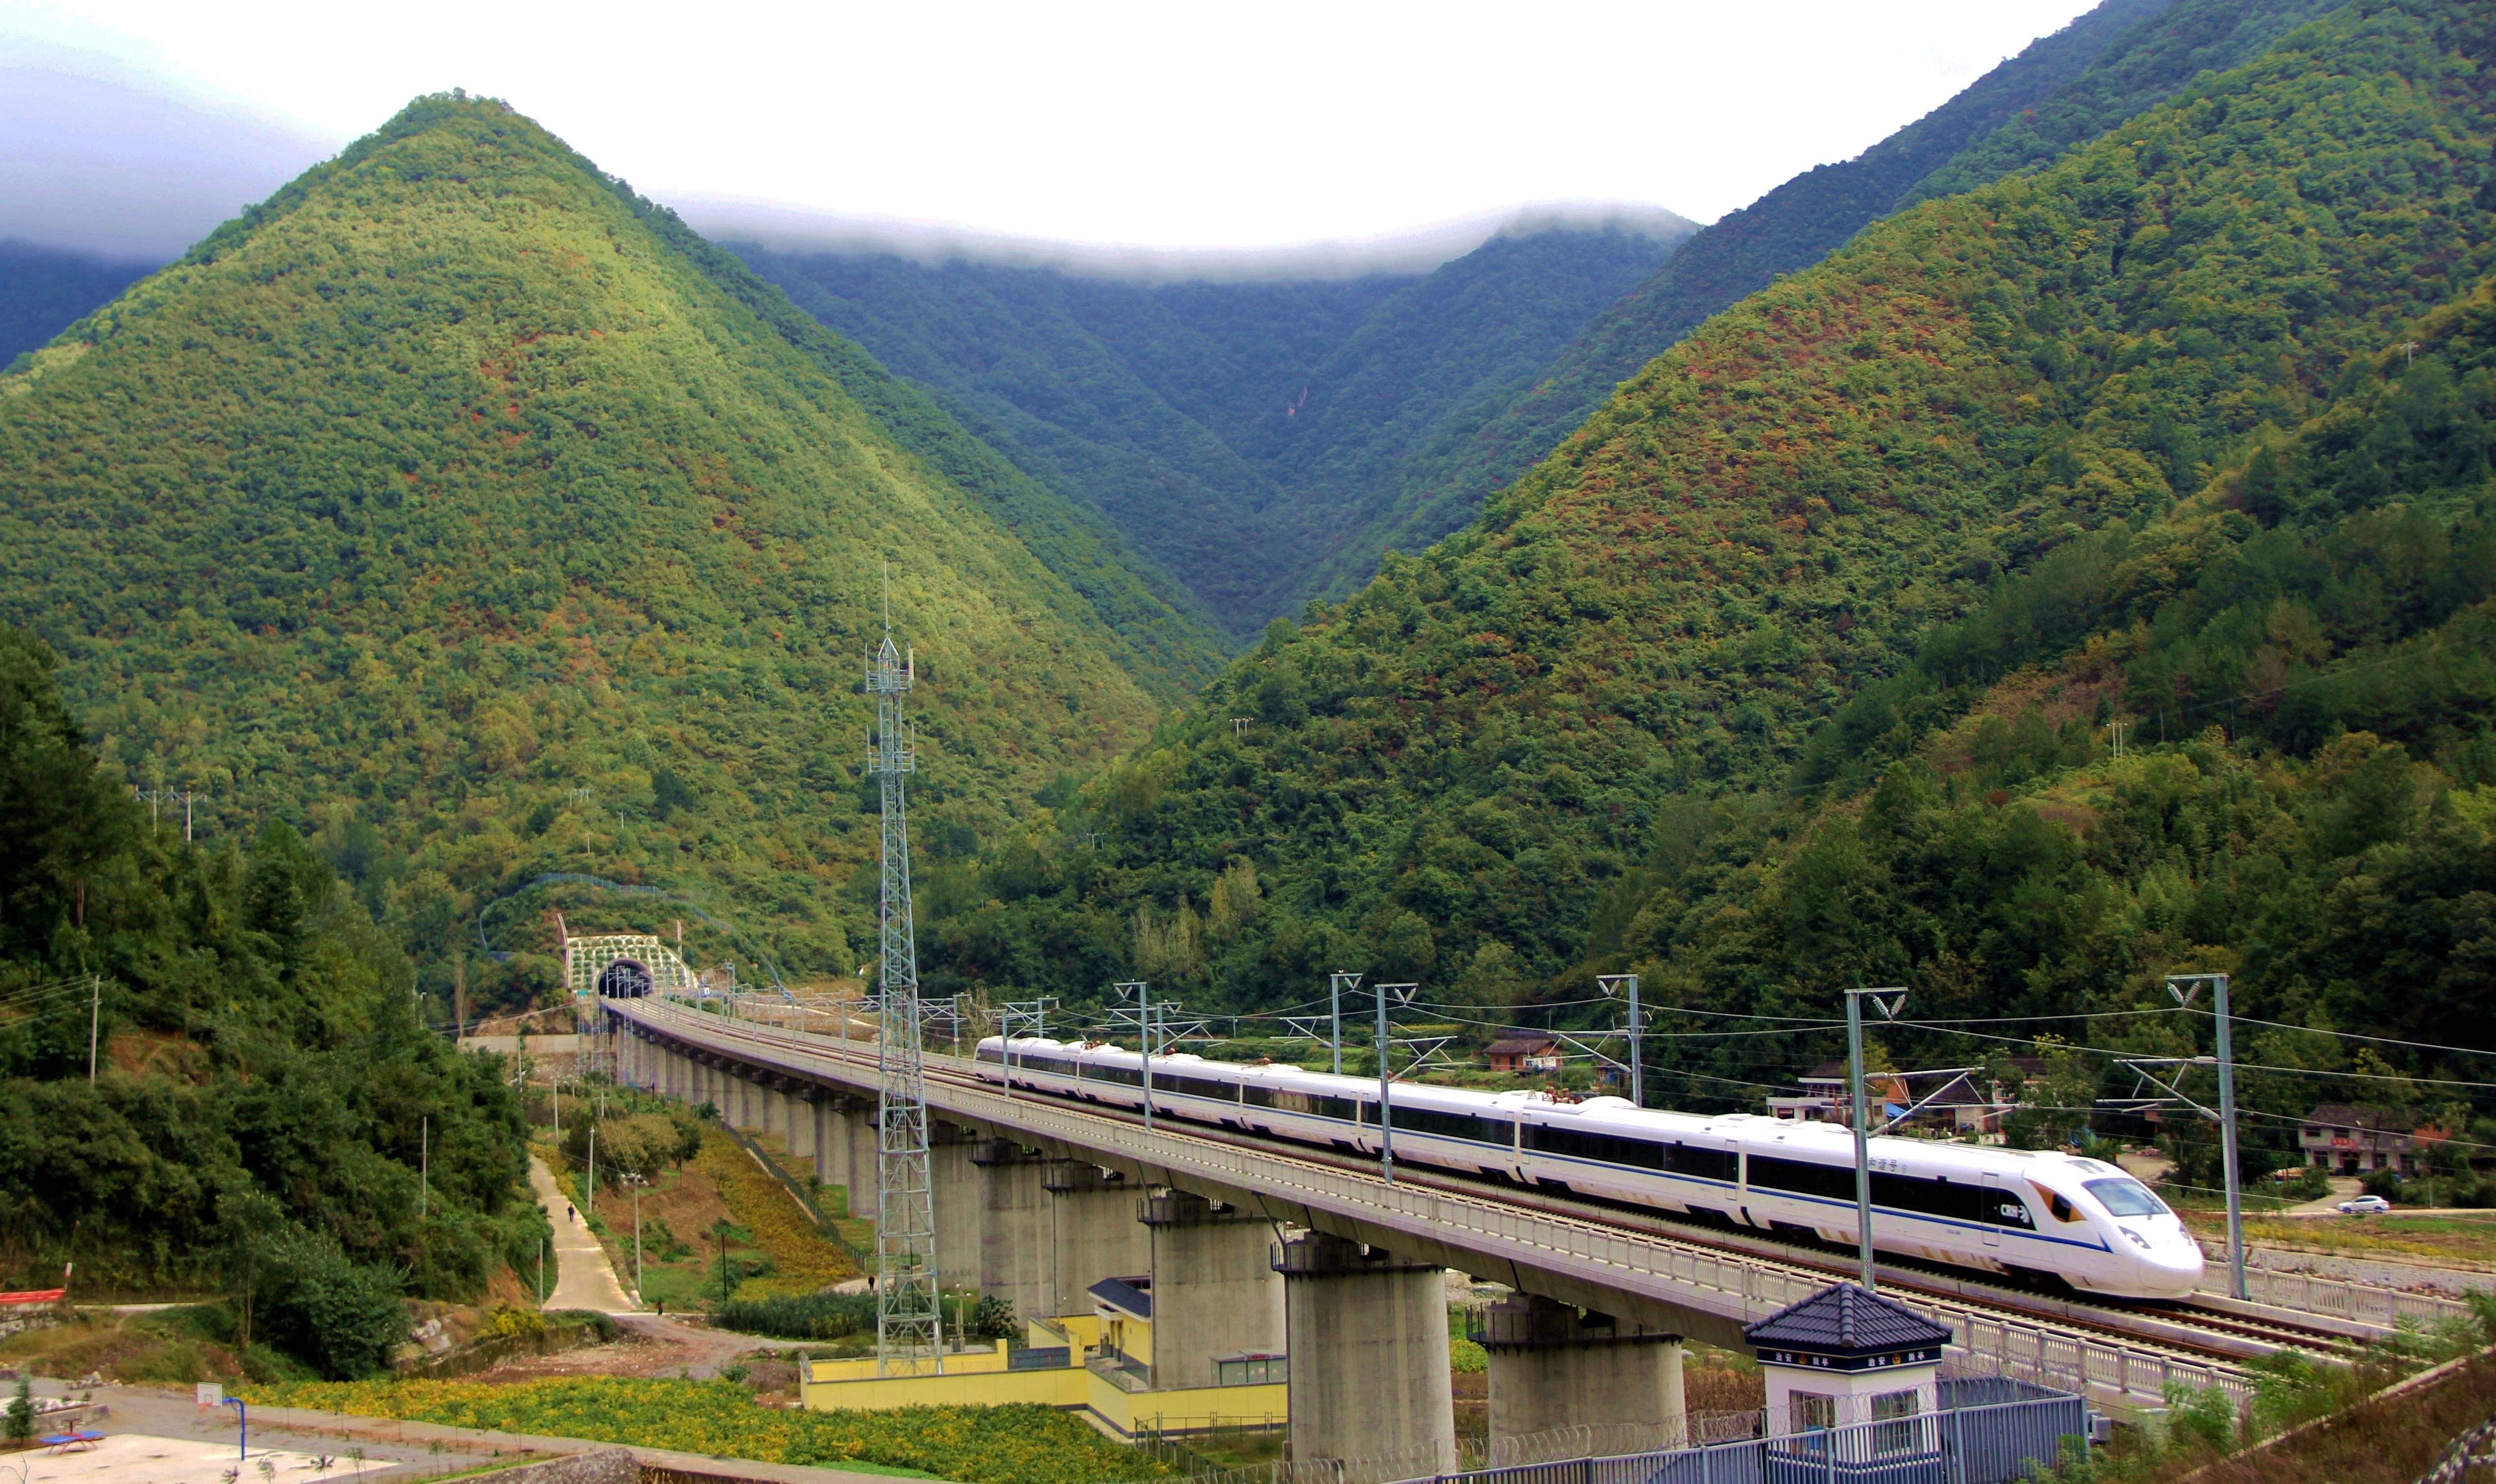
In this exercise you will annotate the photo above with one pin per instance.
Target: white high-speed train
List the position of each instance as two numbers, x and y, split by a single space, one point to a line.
2005 1210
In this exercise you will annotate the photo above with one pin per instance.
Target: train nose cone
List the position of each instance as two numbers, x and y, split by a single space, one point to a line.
2172 1260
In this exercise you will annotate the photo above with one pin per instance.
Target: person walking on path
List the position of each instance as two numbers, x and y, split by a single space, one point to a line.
584 1277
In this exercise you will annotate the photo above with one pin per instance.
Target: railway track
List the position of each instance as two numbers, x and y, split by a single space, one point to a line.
2200 1332
2193 1328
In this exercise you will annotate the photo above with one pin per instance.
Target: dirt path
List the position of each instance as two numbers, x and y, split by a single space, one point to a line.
650 1346
584 1280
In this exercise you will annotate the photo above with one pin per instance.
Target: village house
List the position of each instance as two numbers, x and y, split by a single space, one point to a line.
1964 1103
1523 1051
2355 1139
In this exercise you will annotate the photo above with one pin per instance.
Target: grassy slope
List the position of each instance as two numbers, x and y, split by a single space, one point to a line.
1768 516
2120 58
450 481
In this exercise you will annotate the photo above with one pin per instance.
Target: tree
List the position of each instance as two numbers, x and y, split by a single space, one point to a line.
21 1408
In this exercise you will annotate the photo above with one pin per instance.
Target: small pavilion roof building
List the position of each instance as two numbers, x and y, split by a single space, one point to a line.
1854 1379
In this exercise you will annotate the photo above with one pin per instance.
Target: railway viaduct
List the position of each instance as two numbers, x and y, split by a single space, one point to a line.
1254 1248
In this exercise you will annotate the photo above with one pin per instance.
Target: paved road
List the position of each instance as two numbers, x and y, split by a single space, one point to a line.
584 1280
406 1451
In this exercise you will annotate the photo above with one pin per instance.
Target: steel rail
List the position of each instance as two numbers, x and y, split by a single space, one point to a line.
1674 1270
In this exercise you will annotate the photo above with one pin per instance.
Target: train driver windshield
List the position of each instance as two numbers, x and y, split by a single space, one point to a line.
2126 1197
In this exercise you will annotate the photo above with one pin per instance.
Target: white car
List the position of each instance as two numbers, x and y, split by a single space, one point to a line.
2365 1205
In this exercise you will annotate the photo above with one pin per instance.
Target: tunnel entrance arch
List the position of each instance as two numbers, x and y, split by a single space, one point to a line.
625 980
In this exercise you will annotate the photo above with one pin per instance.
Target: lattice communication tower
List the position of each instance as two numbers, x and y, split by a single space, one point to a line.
908 1337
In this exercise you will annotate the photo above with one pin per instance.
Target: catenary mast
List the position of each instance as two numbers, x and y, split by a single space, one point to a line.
908 1337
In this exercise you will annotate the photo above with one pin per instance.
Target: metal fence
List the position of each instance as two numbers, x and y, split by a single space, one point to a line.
1733 1285
1988 1445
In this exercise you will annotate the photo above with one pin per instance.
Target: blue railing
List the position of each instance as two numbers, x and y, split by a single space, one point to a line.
1993 1444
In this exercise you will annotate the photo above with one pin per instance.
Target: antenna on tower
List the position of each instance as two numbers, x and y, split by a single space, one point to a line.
908 1335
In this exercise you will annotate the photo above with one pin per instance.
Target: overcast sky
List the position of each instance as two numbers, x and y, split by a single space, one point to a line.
1163 124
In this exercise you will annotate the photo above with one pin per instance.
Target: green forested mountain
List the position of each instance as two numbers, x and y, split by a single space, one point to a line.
463 506
44 288
1501 750
266 1119
2120 58
1225 427
2299 662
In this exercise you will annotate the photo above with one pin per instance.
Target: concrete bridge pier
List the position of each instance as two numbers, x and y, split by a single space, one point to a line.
1093 1233
1553 1368
955 1185
798 1119
1014 1249
1215 1292
827 1141
1368 1344
858 1128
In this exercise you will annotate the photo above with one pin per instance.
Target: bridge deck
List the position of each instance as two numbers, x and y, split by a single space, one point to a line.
1660 1280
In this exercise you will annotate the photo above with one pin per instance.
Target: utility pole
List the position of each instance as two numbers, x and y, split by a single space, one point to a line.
1612 983
909 1338
1401 994
1026 1014
1863 1122
589 1191
1336 983
636 1182
94 1020
424 1165
2185 987
1141 993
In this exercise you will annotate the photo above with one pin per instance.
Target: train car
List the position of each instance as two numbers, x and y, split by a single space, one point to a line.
2043 1216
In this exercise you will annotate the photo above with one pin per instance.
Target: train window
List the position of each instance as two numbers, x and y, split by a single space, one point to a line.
1256 1096
1929 1197
1802 1177
2006 1209
1126 1074
1453 1126
1207 1087
2126 1197
1315 1105
1581 1144
990 1054
1703 1164
2056 1202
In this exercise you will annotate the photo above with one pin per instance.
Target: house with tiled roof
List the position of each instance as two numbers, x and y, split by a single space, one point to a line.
2358 1139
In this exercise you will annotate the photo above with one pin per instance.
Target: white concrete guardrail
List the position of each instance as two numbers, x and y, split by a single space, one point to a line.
2361 1303
1688 1276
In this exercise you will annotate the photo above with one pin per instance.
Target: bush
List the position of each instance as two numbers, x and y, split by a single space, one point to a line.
2307 1184
1465 1357
341 1318
509 1323
22 1408
810 1316
2384 1183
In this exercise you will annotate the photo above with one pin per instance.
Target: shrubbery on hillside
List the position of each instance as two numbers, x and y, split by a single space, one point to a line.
1487 750
269 1146
466 507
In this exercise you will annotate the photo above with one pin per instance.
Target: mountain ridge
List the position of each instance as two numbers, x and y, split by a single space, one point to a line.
1437 778
2118 58
451 494
1176 408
